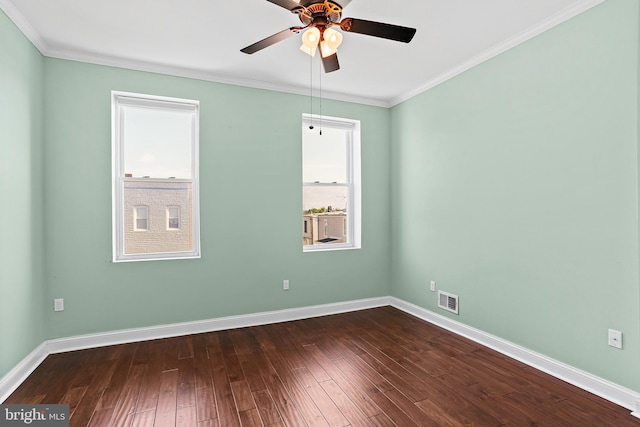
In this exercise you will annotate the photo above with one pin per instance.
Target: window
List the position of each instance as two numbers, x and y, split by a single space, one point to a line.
173 218
330 183
141 219
155 176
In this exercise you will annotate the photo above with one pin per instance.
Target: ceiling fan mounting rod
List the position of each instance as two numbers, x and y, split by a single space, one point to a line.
311 11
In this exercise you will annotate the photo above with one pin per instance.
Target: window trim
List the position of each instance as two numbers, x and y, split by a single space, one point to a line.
118 100
354 186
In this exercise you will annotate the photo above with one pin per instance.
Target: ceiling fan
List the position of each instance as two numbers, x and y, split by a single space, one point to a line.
318 16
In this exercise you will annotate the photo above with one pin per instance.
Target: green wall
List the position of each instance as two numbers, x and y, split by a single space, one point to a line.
251 204
21 196
514 186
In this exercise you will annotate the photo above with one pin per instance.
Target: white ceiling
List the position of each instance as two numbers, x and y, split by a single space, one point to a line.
203 38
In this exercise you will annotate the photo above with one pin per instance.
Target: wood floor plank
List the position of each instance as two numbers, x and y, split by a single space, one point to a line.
119 377
144 419
381 420
349 409
226 405
442 417
205 404
87 406
186 383
305 403
397 378
73 397
374 367
128 398
310 364
242 395
171 353
228 351
250 418
167 399
202 368
377 391
101 418
346 378
186 416
405 409
185 347
323 401
251 372
286 406
267 408
209 423
150 353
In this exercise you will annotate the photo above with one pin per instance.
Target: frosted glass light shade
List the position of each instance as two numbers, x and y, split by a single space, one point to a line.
311 51
310 40
331 39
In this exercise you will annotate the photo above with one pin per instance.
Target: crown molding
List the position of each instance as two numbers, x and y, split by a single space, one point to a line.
23 25
557 19
150 67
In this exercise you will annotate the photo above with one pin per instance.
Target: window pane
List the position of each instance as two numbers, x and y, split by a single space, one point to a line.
325 214
325 157
157 195
157 143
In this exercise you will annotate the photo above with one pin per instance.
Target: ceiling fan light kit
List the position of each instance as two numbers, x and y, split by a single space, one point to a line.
318 18
310 40
331 39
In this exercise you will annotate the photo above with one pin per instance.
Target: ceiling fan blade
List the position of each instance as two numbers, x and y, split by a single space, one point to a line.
284 34
287 4
330 63
378 29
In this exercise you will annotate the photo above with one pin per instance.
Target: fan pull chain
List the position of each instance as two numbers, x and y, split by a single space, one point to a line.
320 72
311 90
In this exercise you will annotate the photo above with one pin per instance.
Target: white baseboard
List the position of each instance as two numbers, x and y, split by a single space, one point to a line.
20 372
636 413
177 329
610 391
607 390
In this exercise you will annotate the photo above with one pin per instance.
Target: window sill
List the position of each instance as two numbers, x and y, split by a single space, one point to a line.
327 248
156 257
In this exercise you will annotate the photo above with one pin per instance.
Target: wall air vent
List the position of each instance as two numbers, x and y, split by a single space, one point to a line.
448 302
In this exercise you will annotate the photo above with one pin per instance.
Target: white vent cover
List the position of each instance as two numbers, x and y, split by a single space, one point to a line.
448 302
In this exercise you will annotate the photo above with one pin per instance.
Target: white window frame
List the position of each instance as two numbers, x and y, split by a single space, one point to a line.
354 215
122 99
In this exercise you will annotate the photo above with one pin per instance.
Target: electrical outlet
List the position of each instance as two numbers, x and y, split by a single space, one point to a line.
285 285
432 286
58 304
615 338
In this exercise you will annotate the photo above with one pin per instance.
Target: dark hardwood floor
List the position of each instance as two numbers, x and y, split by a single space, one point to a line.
377 367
